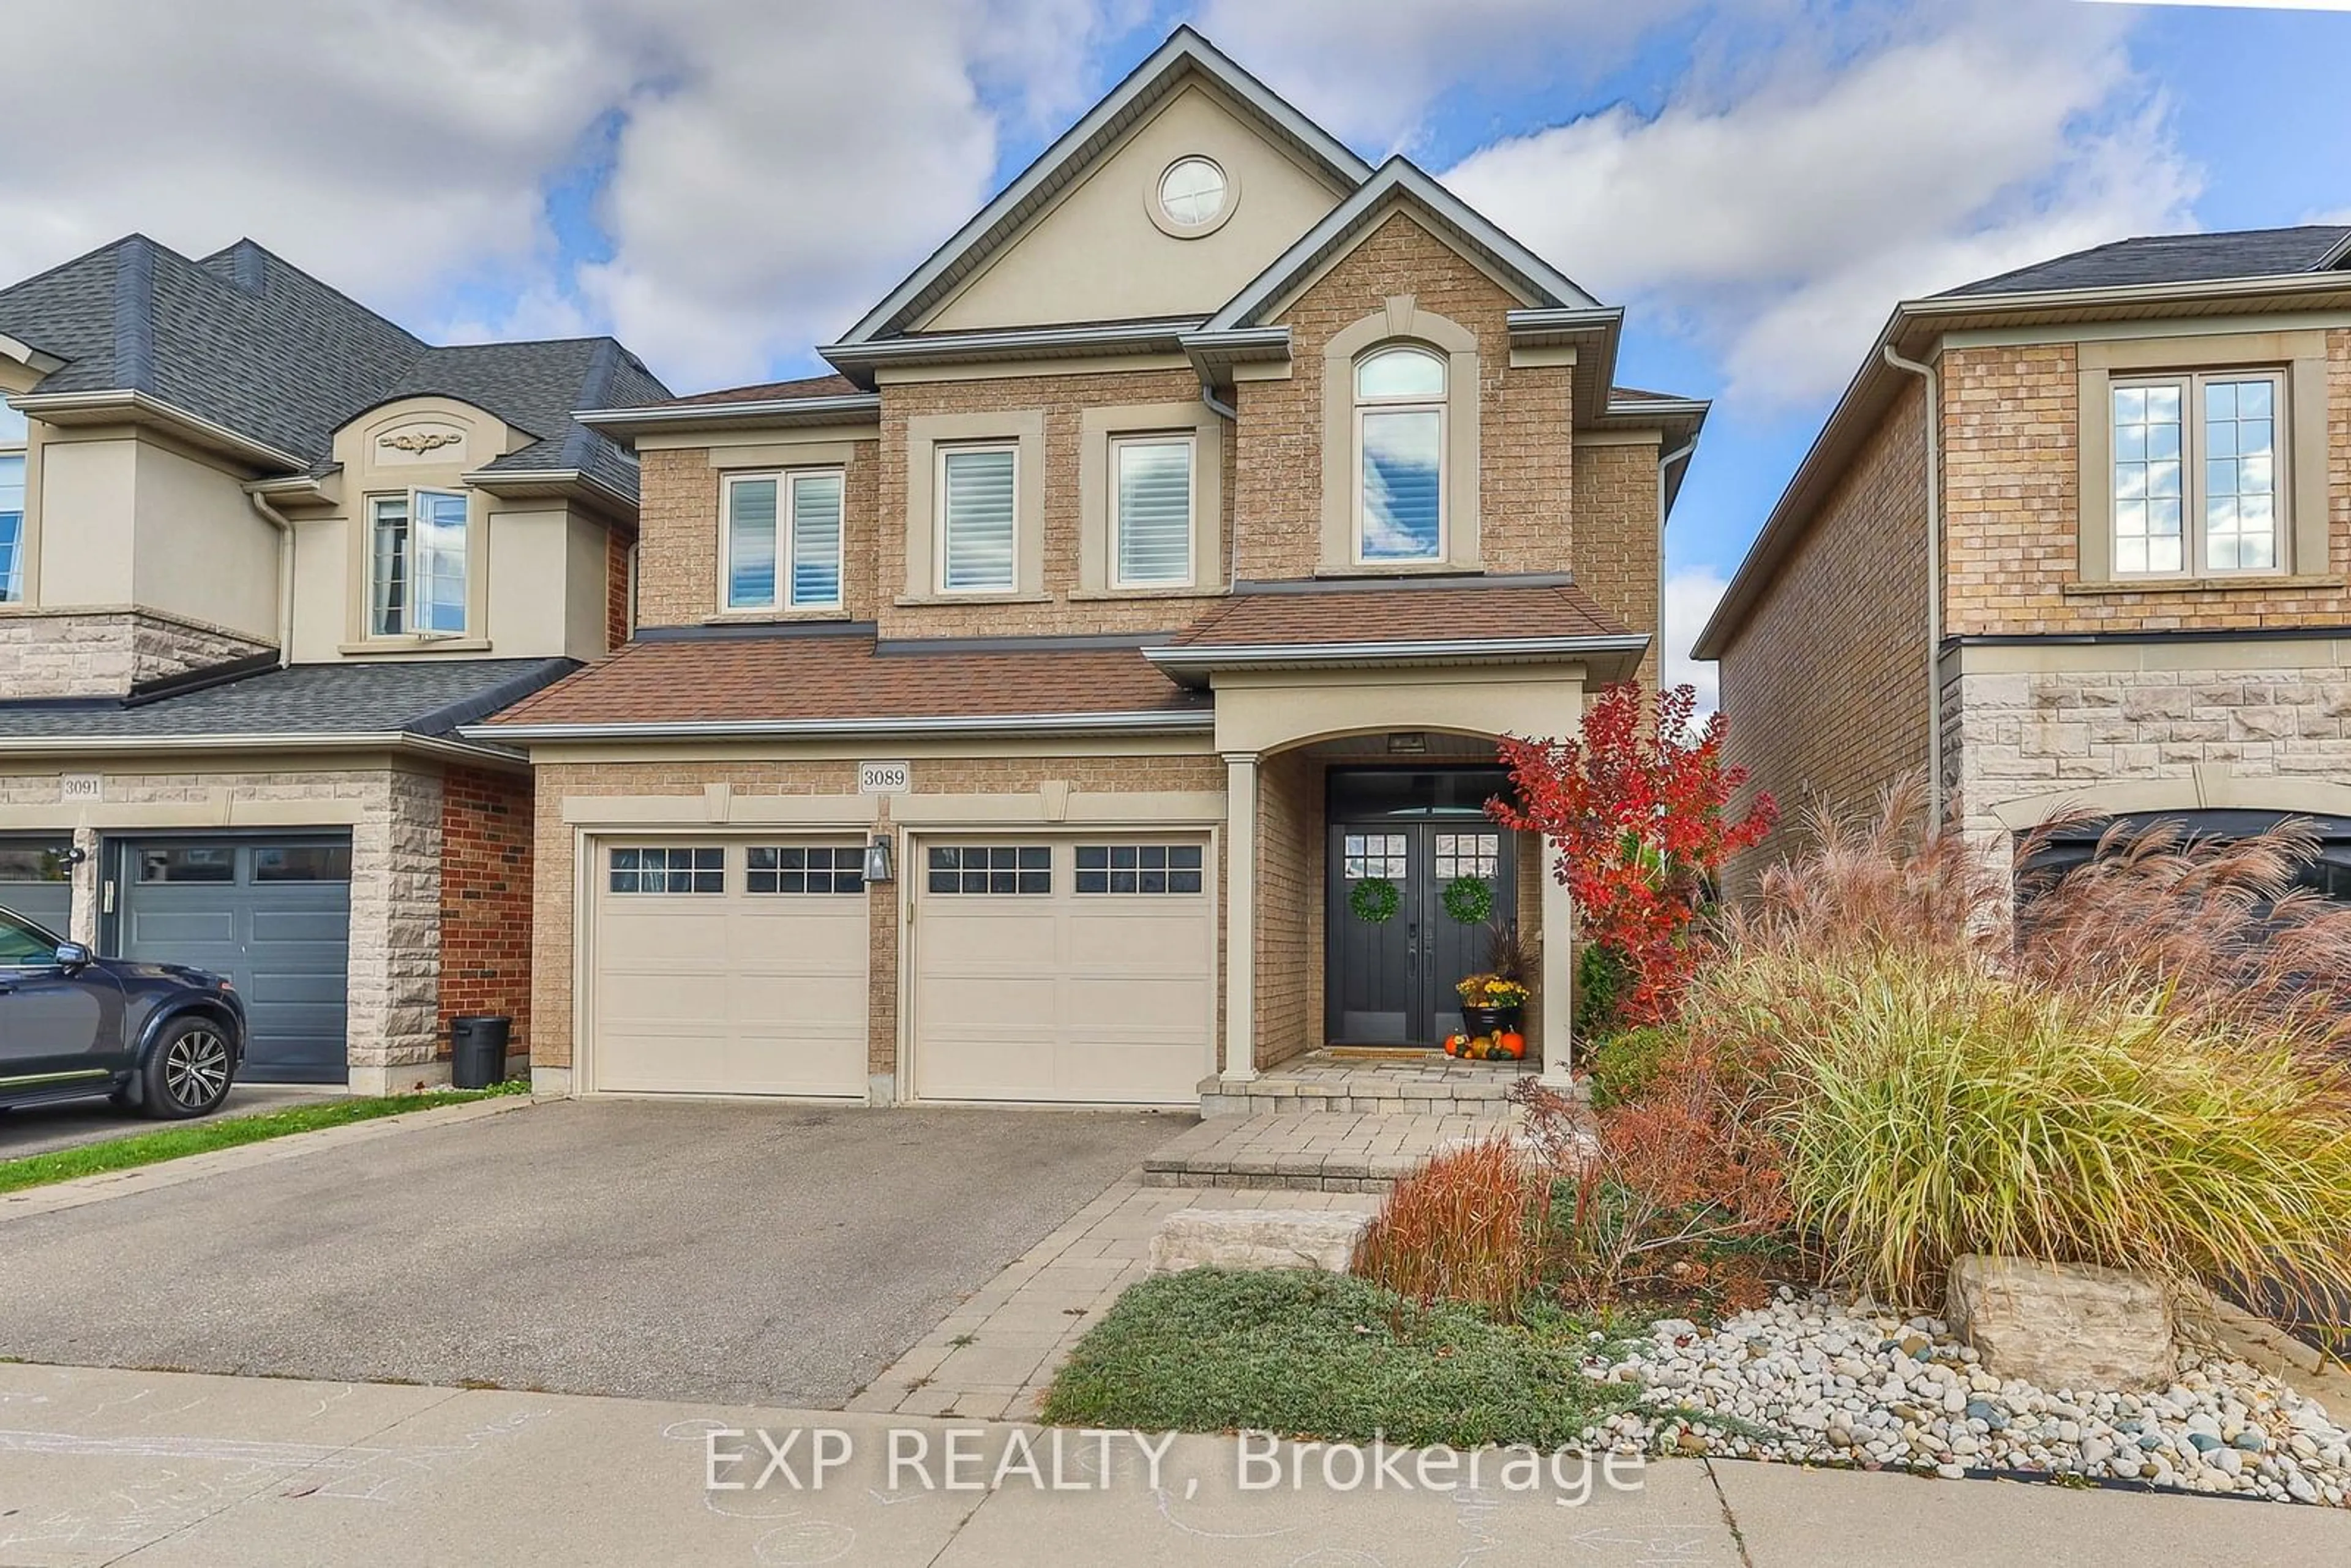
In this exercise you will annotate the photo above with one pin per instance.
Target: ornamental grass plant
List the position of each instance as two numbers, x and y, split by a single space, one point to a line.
1466 1227
2145 1070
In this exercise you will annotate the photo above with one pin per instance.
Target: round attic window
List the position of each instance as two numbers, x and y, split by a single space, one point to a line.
1194 196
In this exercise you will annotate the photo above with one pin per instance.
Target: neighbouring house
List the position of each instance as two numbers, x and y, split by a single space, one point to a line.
262 554
1157 570
2079 535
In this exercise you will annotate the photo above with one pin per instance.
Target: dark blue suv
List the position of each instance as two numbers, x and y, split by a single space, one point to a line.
163 1037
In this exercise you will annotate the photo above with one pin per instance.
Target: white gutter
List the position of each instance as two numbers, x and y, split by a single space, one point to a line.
1213 655
49 405
817 729
1926 374
1665 463
284 527
750 410
386 740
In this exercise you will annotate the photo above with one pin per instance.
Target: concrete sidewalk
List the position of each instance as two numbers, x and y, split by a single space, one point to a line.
163 1468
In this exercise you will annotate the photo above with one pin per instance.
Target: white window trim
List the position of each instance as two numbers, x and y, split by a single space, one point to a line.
787 482
1190 441
2194 564
370 629
940 454
24 547
1441 406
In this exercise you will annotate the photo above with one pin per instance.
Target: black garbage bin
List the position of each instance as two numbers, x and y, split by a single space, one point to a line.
477 1049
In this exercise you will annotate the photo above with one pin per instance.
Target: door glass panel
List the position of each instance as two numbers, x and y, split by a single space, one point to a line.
1377 854
303 863
44 861
188 862
1467 854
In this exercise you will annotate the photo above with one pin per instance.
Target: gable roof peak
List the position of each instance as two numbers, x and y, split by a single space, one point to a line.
1184 55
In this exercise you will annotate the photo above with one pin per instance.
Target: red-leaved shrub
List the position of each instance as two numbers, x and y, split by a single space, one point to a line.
1466 1227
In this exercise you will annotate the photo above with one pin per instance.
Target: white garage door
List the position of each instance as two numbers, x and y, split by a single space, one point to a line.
1077 970
729 966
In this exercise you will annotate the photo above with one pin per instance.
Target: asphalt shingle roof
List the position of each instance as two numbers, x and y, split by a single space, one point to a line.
2176 258
1461 612
423 696
251 341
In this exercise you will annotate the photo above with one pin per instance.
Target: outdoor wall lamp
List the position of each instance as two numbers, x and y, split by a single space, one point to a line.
877 859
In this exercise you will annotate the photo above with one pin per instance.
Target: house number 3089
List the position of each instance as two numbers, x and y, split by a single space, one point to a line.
883 777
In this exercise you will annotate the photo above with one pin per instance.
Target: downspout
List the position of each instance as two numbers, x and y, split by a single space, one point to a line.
1926 374
278 520
1665 464
1231 416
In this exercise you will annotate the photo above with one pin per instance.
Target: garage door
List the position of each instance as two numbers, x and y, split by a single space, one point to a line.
33 879
1075 969
729 966
273 914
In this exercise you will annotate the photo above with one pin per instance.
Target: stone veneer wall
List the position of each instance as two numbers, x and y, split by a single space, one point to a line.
394 818
105 653
2010 737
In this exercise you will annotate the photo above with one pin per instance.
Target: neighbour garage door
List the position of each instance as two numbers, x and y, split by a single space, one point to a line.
1079 970
33 879
729 966
273 914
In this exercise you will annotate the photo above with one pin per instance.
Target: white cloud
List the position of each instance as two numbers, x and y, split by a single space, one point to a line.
1780 222
1370 69
1691 594
774 170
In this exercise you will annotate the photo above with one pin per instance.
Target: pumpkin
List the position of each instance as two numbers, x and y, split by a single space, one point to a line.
1455 1045
1514 1045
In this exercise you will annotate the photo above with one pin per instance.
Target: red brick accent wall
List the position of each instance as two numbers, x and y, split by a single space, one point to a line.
616 588
486 897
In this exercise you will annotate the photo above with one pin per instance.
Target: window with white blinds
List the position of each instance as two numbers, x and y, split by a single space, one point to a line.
1150 515
793 518
816 540
977 516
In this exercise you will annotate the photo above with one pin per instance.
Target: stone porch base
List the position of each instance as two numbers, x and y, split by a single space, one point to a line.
1425 1083
1324 1151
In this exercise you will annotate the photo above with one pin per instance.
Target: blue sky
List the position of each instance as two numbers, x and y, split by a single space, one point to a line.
725 181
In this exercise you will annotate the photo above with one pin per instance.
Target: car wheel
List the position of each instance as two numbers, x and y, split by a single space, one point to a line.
189 1071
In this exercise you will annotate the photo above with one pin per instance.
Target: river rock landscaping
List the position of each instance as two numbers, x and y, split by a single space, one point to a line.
1809 1379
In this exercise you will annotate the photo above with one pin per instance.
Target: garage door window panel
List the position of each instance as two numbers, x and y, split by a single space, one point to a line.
188 862
669 870
308 862
823 869
1021 870
1111 869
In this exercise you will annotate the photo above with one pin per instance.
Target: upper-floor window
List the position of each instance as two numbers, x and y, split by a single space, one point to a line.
11 504
1151 511
977 497
2198 474
416 564
1400 465
783 540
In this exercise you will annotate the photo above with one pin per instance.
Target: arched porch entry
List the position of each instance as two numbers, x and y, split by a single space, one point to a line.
1332 776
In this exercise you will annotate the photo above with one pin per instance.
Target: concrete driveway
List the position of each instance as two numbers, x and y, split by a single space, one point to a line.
687 1250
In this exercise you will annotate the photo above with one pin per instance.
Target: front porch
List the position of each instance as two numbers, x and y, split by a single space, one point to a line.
1368 1083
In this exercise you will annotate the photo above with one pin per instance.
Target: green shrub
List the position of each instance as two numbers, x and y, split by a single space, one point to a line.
1602 979
1624 1065
1931 1106
1325 1356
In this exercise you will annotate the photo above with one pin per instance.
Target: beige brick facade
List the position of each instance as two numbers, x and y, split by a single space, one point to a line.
1824 686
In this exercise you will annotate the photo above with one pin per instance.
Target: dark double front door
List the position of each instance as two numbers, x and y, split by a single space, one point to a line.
1392 982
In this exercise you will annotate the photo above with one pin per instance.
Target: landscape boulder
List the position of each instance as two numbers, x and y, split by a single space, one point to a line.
1257 1238
2062 1325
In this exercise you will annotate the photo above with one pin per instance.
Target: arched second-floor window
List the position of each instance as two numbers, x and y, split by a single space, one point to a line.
1400 395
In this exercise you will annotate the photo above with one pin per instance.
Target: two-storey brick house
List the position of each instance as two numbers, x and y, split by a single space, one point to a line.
1158 569
262 552
2081 534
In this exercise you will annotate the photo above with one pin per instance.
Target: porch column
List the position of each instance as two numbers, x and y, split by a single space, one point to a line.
1240 914
1558 972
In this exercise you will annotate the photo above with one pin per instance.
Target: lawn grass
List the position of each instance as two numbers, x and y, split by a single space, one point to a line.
183 1139
1328 1357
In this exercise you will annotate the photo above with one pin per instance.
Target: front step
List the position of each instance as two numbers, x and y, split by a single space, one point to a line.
1310 1151
1424 1083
